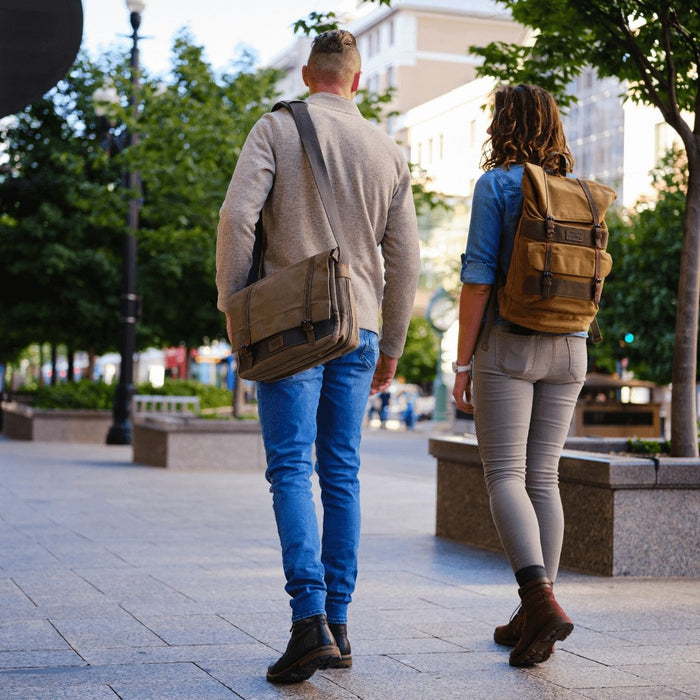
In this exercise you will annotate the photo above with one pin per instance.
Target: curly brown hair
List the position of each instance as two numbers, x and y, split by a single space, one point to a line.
526 128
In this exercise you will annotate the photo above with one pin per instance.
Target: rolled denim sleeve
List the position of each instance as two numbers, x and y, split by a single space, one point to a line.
480 261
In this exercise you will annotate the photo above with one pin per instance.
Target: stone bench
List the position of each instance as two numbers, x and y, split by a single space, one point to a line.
625 515
189 443
23 422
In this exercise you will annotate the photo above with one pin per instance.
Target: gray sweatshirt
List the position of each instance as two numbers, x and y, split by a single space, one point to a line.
372 187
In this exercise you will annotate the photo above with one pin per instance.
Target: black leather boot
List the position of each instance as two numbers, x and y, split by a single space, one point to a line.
340 634
311 647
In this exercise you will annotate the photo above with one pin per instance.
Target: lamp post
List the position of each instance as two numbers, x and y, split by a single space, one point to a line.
441 314
120 431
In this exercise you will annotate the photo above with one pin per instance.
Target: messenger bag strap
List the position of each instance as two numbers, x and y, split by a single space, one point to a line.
309 139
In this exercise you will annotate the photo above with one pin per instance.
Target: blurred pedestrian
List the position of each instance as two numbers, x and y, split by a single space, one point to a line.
320 411
385 400
525 383
409 414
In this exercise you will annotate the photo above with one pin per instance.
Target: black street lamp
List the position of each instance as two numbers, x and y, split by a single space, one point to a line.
120 431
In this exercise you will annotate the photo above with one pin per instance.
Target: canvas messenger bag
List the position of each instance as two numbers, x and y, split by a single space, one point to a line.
303 315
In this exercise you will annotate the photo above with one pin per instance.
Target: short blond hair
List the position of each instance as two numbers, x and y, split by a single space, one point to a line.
334 56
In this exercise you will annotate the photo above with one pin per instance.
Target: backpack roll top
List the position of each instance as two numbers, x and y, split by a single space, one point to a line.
559 262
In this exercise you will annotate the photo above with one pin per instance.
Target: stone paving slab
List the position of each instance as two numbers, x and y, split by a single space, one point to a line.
125 581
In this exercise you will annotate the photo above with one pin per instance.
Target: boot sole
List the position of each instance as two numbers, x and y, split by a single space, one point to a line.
542 646
505 641
345 662
302 670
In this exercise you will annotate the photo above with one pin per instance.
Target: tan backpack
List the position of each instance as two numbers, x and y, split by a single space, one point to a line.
559 261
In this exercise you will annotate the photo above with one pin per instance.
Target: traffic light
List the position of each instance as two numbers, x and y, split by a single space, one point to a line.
629 337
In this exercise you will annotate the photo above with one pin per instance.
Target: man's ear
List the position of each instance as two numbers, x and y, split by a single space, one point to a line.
304 76
356 81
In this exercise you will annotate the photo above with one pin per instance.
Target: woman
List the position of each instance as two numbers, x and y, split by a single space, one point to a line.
526 383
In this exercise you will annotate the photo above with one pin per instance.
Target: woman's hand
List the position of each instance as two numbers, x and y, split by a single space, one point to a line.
462 392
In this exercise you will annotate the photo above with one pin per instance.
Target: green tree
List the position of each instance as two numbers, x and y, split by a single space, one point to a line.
640 294
192 131
59 246
63 202
418 363
654 48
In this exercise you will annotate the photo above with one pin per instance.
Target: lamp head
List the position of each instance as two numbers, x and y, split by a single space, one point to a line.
136 6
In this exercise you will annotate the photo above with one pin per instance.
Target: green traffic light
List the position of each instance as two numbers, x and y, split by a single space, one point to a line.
629 337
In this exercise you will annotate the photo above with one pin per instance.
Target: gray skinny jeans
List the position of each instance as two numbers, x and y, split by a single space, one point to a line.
525 392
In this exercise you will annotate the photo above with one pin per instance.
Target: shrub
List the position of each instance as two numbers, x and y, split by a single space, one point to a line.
92 395
82 394
647 447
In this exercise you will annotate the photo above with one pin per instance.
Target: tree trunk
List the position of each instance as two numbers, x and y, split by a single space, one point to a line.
91 363
70 354
684 430
54 363
41 364
239 403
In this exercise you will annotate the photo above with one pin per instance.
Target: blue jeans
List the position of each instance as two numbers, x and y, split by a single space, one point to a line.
322 407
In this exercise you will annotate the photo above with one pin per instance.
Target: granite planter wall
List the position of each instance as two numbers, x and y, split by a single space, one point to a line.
625 516
22 422
188 443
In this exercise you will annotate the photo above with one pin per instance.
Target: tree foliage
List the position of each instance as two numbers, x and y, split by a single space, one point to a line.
59 244
654 48
640 294
192 132
63 201
418 363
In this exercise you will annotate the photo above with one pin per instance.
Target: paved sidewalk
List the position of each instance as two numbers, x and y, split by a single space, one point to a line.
124 581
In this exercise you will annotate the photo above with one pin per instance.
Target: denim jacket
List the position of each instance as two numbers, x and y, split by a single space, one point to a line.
496 207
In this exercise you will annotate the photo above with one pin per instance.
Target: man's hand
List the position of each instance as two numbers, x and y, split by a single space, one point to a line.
383 373
462 392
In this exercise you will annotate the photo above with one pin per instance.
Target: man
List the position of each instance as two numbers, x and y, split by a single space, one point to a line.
322 408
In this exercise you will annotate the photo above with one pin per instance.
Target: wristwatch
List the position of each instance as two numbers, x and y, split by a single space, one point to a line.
461 368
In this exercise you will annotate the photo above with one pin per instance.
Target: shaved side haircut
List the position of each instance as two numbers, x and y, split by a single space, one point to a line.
334 55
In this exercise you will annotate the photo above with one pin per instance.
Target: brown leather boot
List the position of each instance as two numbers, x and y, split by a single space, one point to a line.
545 623
508 635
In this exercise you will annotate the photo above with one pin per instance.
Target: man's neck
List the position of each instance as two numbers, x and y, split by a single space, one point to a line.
333 89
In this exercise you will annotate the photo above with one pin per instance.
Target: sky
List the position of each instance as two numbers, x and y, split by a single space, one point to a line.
222 27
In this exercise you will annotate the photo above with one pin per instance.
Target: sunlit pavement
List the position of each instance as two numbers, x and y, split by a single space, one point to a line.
124 581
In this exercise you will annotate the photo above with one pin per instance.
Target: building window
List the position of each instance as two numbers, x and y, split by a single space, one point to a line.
390 77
